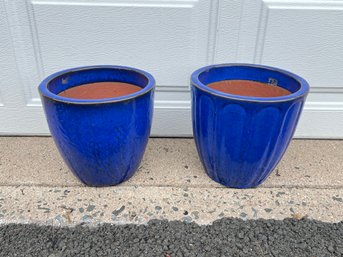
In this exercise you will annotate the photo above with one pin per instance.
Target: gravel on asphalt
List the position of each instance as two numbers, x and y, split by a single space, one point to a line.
225 237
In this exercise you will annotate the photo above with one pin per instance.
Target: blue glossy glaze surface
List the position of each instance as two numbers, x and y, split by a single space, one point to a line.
241 139
102 141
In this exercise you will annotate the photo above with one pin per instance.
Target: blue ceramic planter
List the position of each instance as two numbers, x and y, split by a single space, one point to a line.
241 139
102 141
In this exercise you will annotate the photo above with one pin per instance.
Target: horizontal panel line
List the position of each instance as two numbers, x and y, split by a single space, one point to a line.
161 107
120 4
338 90
304 5
172 88
324 106
165 104
286 7
330 3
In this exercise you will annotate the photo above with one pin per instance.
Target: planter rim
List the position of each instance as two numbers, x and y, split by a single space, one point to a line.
44 91
303 90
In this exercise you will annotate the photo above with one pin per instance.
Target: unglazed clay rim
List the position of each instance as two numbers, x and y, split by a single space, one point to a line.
43 87
303 90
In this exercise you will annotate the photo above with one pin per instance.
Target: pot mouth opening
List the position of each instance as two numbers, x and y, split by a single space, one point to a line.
60 81
291 82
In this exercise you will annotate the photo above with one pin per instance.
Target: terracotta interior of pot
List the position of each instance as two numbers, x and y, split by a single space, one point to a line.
248 73
94 75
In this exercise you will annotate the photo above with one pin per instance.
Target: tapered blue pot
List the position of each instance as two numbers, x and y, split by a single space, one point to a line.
241 139
101 141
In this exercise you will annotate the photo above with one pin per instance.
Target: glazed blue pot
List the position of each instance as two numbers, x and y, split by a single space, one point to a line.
101 141
241 139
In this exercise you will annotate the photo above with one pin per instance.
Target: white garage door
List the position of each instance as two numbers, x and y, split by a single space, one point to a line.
170 39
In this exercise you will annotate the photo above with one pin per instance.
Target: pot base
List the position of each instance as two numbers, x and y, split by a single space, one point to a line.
235 185
105 184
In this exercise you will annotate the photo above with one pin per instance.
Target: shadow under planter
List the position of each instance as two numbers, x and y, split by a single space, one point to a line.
101 140
240 138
